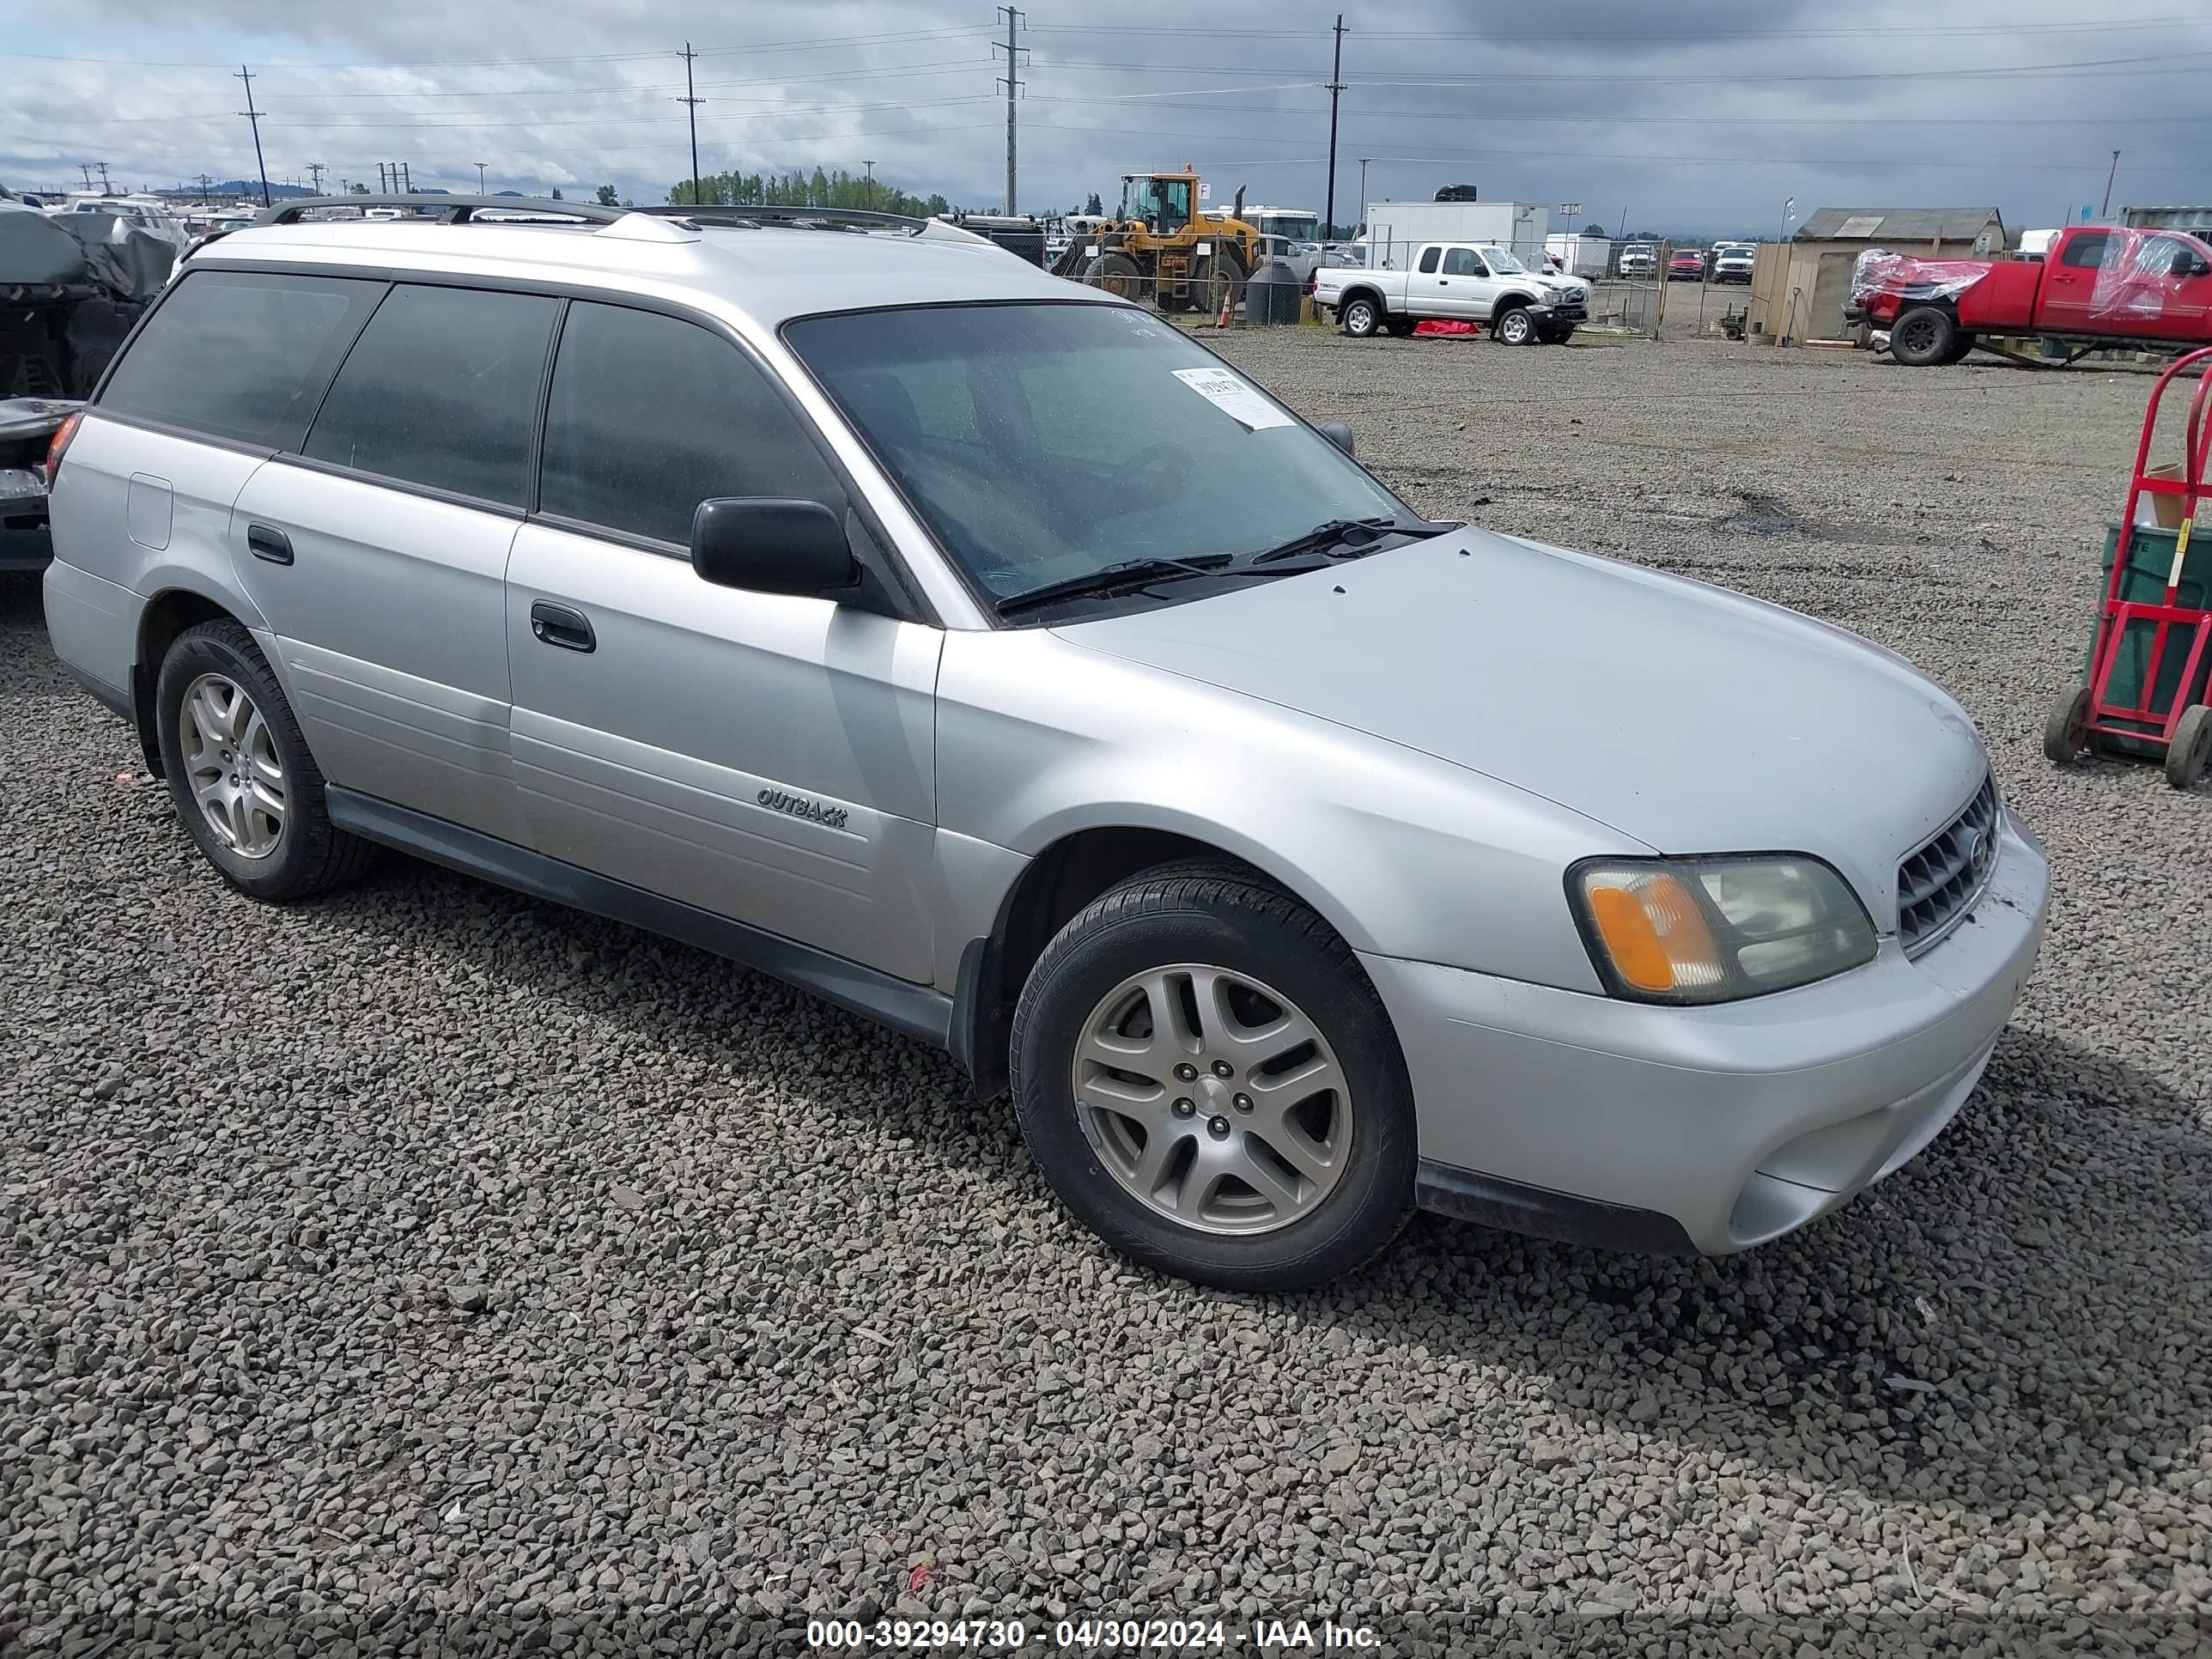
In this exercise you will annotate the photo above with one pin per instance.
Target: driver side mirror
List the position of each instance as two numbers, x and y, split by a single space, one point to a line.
1337 432
764 545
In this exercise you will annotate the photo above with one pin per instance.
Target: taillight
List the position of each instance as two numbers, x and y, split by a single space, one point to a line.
59 443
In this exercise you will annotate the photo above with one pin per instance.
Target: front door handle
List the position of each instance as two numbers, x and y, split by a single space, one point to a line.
556 624
265 542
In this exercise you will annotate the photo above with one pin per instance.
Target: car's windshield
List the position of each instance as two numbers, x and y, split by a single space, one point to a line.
1503 262
1041 442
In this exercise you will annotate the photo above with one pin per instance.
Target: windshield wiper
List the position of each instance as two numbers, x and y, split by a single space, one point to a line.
1129 573
1357 537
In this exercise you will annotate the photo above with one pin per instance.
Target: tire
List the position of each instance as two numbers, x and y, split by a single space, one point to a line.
2066 733
1361 316
1213 280
1400 328
1922 335
2185 756
1116 273
1215 917
305 853
1960 348
1558 334
1514 327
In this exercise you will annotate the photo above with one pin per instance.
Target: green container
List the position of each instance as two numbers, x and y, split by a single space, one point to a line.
2150 559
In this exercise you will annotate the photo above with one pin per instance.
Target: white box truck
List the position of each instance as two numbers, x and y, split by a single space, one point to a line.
1580 256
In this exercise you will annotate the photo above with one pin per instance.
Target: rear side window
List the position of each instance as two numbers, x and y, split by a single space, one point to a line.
649 416
2087 251
441 390
240 355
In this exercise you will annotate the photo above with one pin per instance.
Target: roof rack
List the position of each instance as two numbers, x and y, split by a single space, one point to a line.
451 209
757 215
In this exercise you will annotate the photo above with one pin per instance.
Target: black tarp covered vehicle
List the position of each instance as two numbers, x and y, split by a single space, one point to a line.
71 286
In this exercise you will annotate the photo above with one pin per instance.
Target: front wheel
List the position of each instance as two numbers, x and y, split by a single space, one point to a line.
1208 1081
1117 274
1360 317
1515 327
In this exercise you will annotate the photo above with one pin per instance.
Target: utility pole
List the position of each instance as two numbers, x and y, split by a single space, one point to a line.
253 117
381 189
1362 189
104 187
1336 90
316 169
2105 212
1014 83
206 182
693 111
406 179
871 166
479 167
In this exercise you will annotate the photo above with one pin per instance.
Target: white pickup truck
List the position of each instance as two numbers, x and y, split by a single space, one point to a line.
1466 282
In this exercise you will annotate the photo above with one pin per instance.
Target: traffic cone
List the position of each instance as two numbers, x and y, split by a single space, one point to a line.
1228 302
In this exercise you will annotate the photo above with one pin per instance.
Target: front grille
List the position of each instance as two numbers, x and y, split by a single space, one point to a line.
1937 884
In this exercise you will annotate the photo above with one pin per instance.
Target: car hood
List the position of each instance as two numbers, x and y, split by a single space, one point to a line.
1683 716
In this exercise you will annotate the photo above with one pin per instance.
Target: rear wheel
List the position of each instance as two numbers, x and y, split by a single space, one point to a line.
2191 748
249 794
1209 1082
1923 337
1215 282
1400 328
2066 733
1514 327
1361 316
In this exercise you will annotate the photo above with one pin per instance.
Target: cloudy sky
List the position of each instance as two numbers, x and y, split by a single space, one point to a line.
1698 116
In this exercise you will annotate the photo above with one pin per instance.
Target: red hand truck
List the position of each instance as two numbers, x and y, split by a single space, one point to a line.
2119 707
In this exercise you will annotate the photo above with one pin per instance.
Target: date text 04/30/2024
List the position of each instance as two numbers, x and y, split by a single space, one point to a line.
1088 1635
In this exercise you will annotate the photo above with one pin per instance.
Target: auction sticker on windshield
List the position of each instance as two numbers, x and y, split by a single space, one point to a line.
1237 398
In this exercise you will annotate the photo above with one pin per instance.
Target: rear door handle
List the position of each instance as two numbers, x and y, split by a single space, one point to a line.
556 624
265 543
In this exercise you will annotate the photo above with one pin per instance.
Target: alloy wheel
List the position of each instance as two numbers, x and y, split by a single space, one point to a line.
231 765
1213 1099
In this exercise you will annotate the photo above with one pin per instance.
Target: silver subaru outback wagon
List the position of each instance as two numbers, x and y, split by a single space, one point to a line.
870 608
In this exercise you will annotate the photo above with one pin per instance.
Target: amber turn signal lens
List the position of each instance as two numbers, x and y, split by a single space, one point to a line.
1655 932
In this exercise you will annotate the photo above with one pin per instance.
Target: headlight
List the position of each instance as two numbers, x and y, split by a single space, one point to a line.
1716 929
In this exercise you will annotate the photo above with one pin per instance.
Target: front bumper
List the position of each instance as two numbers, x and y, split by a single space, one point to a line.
1710 1129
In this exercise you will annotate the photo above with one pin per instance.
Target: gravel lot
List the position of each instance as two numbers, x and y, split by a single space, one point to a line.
433 1251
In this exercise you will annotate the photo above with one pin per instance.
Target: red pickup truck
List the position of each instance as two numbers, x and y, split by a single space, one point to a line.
2099 285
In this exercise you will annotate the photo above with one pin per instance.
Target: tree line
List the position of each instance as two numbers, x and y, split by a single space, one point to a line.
819 188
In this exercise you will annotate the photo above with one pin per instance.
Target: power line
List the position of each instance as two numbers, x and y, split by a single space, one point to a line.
823 43
1698 37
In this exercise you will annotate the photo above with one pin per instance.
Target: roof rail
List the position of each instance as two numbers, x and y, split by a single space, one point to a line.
449 210
754 215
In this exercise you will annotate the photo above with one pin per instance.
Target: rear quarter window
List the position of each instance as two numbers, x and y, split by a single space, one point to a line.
240 355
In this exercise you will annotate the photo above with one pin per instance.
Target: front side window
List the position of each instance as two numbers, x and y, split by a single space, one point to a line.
240 355
649 416
441 390
1044 442
1462 262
